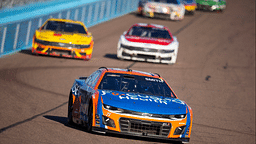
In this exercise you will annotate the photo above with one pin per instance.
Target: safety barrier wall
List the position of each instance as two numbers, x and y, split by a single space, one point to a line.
16 32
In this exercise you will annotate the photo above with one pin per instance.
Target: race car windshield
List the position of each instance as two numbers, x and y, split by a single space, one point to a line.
135 84
64 27
149 32
166 1
188 1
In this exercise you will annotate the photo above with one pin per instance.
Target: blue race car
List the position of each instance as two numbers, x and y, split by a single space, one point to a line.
129 102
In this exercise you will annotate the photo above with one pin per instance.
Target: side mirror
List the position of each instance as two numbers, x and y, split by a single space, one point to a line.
89 33
174 38
125 33
82 78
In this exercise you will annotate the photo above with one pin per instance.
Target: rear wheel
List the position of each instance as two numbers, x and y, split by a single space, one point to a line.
70 109
89 122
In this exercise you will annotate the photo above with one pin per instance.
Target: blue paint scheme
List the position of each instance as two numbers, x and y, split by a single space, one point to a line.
189 2
143 103
80 82
100 112
128 101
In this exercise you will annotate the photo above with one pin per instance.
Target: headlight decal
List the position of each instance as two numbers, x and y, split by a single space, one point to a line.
166 51
188 123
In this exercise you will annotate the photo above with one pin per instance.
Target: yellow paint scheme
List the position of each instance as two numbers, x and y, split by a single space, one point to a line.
151 14
64 37
190 8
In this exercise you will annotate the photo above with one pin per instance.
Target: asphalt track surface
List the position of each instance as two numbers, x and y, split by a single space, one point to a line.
214 74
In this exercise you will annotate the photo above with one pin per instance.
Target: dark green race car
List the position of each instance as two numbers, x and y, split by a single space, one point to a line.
212 5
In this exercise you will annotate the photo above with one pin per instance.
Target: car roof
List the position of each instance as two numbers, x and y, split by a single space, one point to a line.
129 71
150 25
65 20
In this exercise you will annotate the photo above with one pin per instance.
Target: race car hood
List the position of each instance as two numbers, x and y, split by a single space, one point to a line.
143 103
149 40
74 38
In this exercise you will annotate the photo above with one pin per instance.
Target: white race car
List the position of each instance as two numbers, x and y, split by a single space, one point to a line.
167 9
148 42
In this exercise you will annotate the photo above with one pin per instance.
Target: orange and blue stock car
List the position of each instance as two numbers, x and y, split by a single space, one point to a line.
64 38
129 102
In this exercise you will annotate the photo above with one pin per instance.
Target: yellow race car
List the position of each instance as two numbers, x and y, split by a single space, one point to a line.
64 38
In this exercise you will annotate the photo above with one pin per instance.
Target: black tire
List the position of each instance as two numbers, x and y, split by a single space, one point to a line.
70 109
90 117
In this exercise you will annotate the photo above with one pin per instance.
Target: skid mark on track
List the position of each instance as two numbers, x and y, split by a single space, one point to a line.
188 24
131 65
177 32
31 118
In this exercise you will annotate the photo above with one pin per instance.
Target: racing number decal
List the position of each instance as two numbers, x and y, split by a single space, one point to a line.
108 114
75 90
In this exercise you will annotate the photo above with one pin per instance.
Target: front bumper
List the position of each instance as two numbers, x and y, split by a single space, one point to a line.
69 52
190 8
103 130
142 126
211 8
153 56
172 15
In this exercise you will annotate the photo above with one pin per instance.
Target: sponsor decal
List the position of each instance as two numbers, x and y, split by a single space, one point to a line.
143 98
154 80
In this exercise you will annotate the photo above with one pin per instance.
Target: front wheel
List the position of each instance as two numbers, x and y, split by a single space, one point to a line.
70 109
89 122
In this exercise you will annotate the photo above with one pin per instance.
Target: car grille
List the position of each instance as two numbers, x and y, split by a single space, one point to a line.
61 44
139 48
145 56
161 15
139 56
61 52
39 49
144 128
